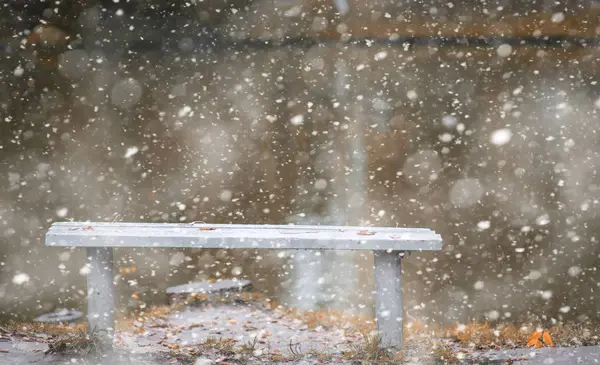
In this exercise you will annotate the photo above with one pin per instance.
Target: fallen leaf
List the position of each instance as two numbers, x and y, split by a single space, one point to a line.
364 232
539 339
127 270
547 339
534 337
159 325
206 229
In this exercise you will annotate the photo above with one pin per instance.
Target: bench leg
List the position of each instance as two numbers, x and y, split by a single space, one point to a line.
101 292
388 298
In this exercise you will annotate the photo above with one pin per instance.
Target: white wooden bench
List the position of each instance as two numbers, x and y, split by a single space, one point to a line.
387 244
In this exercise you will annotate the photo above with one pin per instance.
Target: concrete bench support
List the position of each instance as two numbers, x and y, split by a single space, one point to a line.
101 291
387 245
388 298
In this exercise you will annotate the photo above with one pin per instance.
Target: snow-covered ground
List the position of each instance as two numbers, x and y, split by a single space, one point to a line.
230 334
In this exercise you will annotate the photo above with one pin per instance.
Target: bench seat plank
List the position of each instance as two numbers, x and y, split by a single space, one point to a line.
160 235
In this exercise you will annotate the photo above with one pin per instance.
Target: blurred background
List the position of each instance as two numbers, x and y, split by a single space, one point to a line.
477 119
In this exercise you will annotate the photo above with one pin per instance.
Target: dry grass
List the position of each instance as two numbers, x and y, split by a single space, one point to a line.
63 339
225 346
79 343
230 298
454 343
225 349
444 353
575 335
136 321
365 352
483 336
369 351
447 345
32 329
130 323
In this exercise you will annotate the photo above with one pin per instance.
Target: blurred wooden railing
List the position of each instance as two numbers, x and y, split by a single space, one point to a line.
543 23
580 24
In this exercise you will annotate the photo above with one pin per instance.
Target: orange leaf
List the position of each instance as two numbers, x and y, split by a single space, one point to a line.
534 340
535 336
547 339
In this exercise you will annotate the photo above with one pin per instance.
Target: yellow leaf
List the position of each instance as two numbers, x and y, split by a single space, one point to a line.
547 339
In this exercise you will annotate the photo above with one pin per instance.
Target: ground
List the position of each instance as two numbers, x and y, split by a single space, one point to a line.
252 334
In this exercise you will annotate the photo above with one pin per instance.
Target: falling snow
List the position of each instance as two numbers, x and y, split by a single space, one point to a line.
297 120
20 279
504 50
62 212
478 120
131 151
501 137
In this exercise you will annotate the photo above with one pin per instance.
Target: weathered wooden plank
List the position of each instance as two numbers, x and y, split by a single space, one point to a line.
81 234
